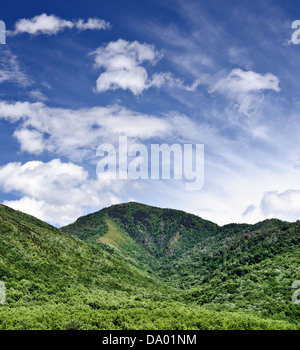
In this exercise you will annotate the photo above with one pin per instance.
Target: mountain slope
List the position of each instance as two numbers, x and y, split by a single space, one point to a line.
57 281
156 235
237 267
41 264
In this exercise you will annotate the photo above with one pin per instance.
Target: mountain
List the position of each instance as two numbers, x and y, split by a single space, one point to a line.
237 267
133 266
147 235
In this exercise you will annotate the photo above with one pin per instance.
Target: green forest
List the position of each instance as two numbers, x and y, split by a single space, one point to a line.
136 267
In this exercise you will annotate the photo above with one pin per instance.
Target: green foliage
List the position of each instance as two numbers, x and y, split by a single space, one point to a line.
133 266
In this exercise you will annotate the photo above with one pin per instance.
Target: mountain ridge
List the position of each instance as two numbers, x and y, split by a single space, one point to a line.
273 219
205 260
164 269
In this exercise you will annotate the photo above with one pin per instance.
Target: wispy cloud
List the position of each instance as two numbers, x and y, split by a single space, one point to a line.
92 24
244 88
37 95
10 70
51 25
160 79
76 133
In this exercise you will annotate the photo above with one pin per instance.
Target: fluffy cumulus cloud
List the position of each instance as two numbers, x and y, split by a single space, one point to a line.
284 205
245 88
51 24
31 141
122 63
56 192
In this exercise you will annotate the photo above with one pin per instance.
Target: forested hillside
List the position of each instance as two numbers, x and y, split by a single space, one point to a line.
133 266
237 267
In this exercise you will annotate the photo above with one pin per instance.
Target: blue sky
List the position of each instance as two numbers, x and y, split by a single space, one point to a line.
225 73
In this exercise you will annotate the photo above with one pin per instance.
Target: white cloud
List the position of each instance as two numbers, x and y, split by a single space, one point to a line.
284 205
53 214
41 24
245 87
160 79
37 95
77 133
31 141
122 61
56 176
247 81
55 192
92 24
51 25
